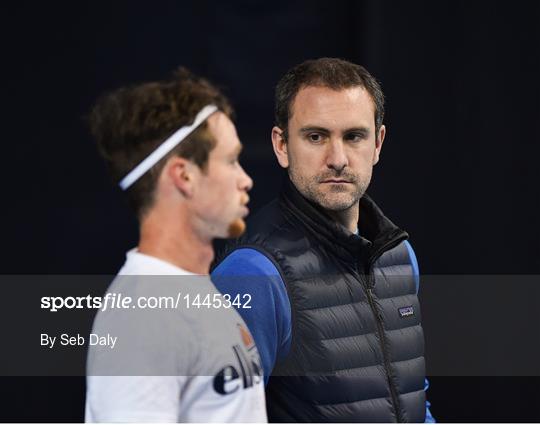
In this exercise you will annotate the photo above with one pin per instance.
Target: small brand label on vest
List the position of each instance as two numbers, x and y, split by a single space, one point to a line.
406 311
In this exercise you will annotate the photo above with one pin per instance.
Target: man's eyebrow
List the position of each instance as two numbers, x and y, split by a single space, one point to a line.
364 130
314 128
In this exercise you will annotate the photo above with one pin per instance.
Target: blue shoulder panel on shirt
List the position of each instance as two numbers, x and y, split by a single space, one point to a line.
414 264
429 417
246 261
416 273
248 271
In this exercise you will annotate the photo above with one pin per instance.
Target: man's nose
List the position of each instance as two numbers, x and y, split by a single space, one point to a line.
336 156
246 182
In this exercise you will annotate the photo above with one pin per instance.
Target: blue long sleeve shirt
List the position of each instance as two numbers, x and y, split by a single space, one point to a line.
248 271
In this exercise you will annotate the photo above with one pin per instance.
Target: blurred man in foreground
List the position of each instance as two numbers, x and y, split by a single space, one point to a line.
174 149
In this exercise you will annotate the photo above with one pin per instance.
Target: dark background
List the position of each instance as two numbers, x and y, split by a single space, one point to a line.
459 169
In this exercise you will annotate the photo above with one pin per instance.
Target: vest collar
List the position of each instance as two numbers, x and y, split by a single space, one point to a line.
377 232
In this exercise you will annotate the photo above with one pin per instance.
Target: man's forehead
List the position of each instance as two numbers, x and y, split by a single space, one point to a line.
224 132
320 106
218 121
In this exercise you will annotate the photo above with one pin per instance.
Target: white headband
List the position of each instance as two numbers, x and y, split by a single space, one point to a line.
168 145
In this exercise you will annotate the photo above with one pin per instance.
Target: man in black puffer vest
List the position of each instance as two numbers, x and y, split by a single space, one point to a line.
330 282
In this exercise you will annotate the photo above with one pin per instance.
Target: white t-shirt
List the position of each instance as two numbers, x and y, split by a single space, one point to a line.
178 364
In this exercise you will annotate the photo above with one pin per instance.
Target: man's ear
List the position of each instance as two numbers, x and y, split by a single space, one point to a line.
378 144
181 172
280 146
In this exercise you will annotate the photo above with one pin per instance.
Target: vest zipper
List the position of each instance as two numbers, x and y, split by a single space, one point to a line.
382 339
370 283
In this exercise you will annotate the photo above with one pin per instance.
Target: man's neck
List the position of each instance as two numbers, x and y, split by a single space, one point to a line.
347 218
172 239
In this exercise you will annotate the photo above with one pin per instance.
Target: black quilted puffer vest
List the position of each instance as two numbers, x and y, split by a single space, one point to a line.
357 350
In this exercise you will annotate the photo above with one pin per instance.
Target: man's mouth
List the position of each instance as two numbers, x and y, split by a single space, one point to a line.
335 181
244 200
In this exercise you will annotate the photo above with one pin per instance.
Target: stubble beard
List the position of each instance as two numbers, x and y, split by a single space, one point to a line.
336 197
236 228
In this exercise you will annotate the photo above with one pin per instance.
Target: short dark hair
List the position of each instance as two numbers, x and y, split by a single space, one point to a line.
333 73
129 123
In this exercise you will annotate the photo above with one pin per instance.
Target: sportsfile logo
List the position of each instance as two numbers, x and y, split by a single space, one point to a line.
248 370
406 311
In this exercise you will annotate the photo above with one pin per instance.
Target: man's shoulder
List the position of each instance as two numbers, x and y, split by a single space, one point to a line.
251 270
398 255
246 261
248 270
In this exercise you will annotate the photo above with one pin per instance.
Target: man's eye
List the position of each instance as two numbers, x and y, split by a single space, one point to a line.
315 137
354 137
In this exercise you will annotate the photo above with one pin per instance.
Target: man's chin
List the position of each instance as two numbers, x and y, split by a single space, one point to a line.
333 201
236 228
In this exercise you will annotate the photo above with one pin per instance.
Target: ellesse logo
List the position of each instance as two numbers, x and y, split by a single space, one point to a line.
248 370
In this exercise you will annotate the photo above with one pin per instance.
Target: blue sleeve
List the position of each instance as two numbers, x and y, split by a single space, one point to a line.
414 264
248 271
416 272
429 417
